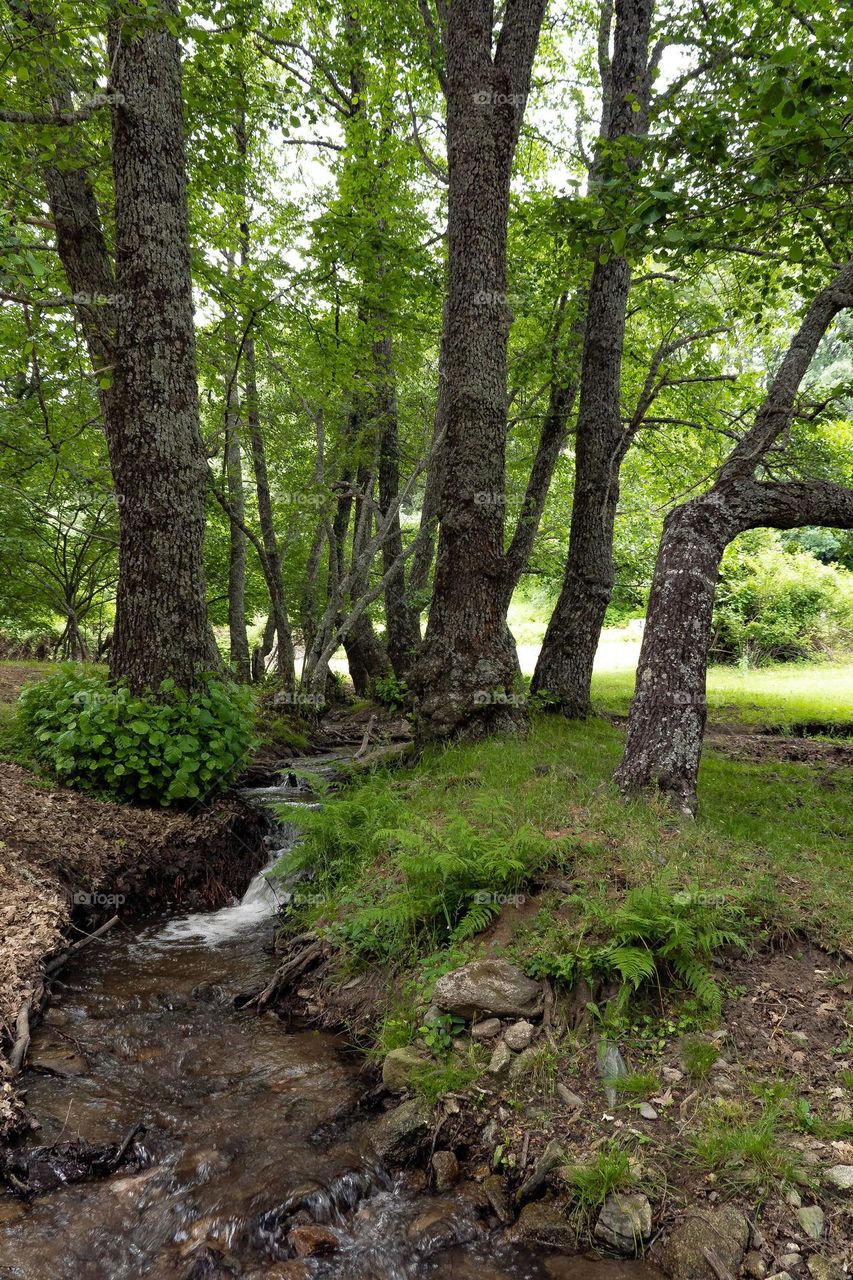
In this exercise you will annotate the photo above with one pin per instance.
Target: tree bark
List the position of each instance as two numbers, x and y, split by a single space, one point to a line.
238 638
667 718
467 672
155 446
564 667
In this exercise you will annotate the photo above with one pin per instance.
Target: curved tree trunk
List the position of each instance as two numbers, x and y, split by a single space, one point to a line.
467 672
155 446
667 719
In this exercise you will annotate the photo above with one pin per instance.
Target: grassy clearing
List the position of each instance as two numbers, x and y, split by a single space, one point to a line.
776 697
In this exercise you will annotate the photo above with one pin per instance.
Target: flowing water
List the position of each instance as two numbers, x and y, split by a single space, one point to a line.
238 1113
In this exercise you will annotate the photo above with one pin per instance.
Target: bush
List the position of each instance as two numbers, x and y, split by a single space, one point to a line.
97 736
775 605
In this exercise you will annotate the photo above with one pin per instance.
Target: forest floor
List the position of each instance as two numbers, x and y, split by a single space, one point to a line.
740 1093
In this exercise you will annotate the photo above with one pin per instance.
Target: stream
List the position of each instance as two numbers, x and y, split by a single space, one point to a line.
142 1029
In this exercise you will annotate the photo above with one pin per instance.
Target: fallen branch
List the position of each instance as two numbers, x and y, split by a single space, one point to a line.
22 1038
60 961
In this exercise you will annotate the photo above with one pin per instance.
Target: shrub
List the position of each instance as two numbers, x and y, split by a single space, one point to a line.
97 736
775 605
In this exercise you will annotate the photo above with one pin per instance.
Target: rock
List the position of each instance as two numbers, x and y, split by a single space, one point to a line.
790 1261
400 1133
500 1059
724 1231
754 1265
672 1075
399 1067
551 1158
566 1095
487 1029
492 986
543 1222
647 1111
840 1176
821 1268
312 1241
781 1275
445 1168
519 1035
496 1192
625 1222
799 1037
811 1219
434 1229
793 1197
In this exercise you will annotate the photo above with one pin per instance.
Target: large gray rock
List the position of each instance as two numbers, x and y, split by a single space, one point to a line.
399 1067
625 1222
490 986
724 1231
543 1222
400 1133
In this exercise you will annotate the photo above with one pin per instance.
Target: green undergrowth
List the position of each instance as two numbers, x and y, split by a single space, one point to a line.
412 866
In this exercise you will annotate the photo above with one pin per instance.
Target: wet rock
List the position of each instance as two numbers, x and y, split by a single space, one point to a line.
840 1176
725 1232
399 1067
445 1168
754 1265
519 1035
811 1219
489 986
313 1241
400 1133
821 1268
551 1158
625 1222
487 1029
500 1059
283 1271
497 1194
647 1111
57 1060
543 1222
439 1227
565 1095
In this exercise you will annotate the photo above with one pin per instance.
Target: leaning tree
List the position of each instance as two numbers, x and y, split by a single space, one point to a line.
668 712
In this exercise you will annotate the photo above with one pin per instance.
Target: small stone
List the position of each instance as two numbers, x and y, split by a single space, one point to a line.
498 1197
840 1176
625 1222
793 1197
647 1111
445 1168
754 1265
672 1075
566 1095
799 1037
821 1268
519 1035
312 1241
399 1067
781 1275
790 1261
487 1029
500 1059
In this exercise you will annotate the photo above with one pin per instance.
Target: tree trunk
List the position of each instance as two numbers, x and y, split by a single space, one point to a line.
238 639
285 656
403 632
467 675
564 667
155 447
667 718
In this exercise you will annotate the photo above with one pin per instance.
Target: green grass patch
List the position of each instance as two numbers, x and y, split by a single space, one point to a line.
747 1150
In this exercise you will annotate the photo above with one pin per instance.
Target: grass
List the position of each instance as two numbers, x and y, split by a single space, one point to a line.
778 697
590 1184
748 1151
699 1057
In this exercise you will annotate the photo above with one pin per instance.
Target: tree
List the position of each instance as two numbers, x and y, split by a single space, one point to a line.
668 712
467 672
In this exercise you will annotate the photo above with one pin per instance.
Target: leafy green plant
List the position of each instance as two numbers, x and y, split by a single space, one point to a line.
390 692
97 736
654 934
590 1184
439 1033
